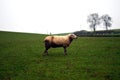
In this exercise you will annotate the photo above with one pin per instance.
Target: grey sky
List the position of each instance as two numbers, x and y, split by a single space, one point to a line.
55 16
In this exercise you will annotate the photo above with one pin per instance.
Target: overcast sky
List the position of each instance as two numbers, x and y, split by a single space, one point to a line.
54 16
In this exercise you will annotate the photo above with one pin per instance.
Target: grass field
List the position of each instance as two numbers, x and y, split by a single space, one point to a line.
89 58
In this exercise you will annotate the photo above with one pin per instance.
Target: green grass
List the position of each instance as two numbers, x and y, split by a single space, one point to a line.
89 58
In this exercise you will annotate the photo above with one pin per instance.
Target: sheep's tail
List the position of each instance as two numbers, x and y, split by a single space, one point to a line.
46 41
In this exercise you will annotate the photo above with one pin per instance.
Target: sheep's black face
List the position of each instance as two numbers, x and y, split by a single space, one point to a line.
73 36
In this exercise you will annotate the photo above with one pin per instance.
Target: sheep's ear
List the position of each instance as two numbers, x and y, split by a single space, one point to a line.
71 35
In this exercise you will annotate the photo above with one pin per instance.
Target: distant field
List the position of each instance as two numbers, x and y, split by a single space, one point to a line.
89 58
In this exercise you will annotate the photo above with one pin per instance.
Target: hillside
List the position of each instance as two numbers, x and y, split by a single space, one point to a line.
89 58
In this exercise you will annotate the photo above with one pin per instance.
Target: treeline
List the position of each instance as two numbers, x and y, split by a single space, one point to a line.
104 33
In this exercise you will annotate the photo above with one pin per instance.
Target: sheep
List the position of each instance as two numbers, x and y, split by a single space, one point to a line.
58 41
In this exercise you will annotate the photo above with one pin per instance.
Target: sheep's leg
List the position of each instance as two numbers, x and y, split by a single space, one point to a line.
46 51
65 51
47 46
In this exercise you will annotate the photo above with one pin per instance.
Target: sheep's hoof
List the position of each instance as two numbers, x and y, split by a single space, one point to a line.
45 54
65 53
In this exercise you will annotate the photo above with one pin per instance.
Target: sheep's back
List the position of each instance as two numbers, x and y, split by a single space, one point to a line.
60 40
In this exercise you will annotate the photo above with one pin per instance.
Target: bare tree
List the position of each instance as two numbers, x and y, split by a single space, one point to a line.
94 20
107 21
